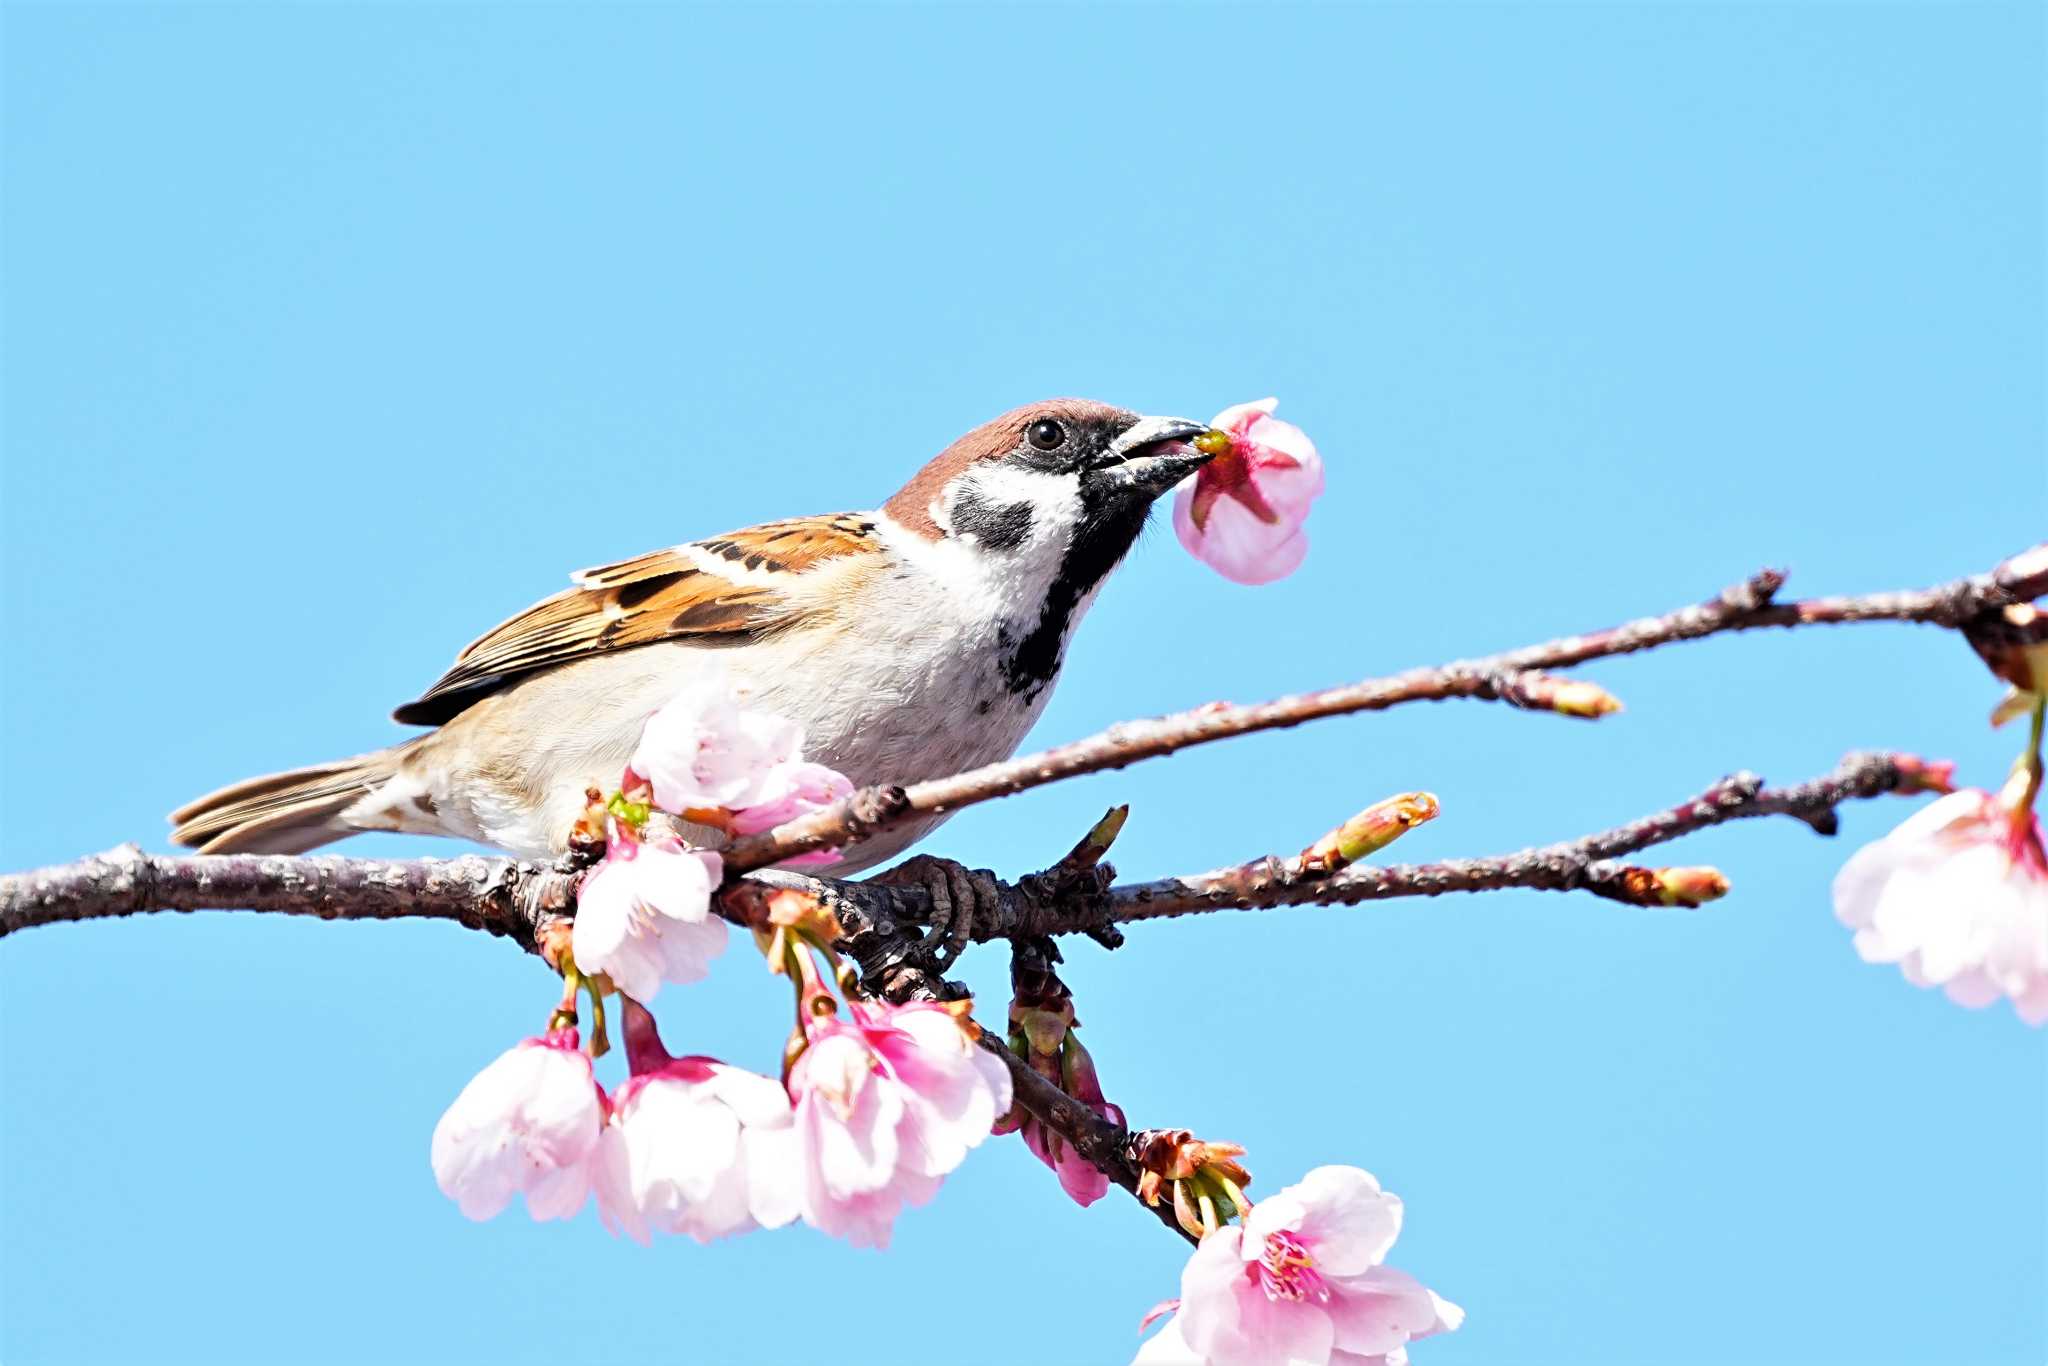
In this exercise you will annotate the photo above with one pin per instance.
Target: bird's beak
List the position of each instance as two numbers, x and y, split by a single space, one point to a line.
1154 454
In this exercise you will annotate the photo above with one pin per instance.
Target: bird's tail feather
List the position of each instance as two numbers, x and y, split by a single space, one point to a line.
283 813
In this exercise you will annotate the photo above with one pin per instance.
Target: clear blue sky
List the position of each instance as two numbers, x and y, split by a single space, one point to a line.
329 328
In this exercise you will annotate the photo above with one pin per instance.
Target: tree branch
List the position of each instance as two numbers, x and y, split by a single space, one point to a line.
512 898
1584 864
1747 606
498 895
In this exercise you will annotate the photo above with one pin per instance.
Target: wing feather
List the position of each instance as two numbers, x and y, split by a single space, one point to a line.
663 595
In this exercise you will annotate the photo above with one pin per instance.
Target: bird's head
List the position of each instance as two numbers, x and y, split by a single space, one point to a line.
1065 482
1035 508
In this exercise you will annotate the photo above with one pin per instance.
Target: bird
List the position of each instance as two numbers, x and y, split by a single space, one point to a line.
910 642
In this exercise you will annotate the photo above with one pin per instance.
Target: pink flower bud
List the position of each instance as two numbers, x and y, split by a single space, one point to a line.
527 1124
1043 1036
1242 513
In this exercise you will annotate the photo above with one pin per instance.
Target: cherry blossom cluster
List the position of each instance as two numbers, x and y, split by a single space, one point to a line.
876 1110
877 1103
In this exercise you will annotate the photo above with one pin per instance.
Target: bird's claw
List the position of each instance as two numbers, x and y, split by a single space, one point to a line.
959 896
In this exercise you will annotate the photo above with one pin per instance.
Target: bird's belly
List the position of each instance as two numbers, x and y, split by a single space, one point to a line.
513 769
922 716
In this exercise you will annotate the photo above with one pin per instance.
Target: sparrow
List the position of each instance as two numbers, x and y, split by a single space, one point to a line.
915 641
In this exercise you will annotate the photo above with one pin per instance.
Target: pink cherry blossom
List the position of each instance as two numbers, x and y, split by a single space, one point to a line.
794 788
643 916
1957 896
705 749
527 1124
1300 1281
1082 1180
1242 513
694 1146
888 1101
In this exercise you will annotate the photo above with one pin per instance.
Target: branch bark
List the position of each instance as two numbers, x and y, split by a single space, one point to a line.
497 895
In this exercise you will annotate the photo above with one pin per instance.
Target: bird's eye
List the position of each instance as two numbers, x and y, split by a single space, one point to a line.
1046 434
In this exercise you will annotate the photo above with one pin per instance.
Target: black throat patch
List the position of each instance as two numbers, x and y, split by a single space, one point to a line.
1108 527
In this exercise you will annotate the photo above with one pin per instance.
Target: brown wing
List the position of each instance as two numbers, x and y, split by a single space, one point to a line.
663 595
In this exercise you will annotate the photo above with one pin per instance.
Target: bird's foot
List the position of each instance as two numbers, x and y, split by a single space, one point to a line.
959 895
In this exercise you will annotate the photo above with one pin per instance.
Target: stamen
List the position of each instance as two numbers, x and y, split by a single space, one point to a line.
1285 1271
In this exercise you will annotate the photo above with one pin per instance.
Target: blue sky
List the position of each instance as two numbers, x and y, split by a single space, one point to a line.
331 333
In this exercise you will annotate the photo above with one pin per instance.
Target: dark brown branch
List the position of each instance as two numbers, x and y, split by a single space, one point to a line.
1747 606
875 917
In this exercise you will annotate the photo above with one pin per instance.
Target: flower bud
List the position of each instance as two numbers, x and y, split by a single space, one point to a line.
1690 886
1370 831
1565 696
1924 775
1193 1167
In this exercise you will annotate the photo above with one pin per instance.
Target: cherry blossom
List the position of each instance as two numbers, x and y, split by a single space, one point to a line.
888 1101
1957 896
703 749
1242 513
527 1124
694 1146
1082 1180
1300 1281
643 915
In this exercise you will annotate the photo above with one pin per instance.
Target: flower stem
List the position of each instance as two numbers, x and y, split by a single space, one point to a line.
2026 771
600 1044
564 1015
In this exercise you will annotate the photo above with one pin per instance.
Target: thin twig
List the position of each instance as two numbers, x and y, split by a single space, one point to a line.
1586 864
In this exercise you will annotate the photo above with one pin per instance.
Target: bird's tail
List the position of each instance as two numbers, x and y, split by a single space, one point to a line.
283 813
